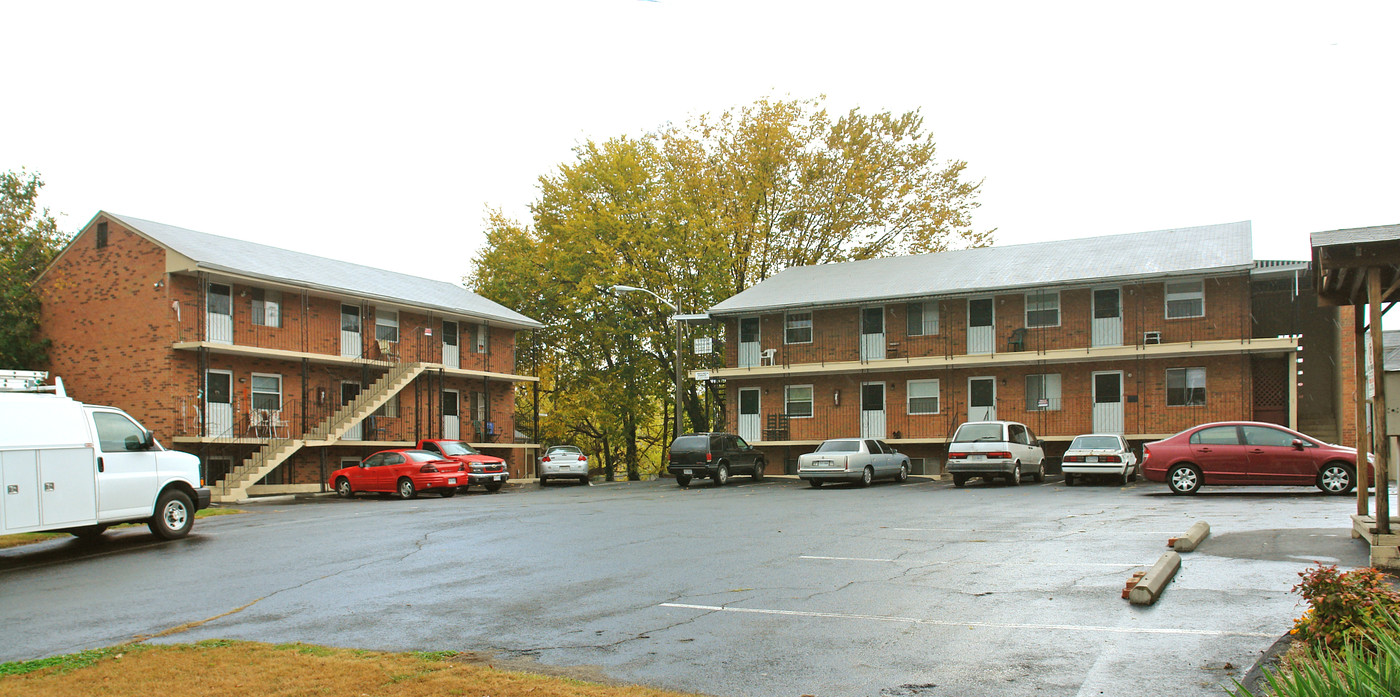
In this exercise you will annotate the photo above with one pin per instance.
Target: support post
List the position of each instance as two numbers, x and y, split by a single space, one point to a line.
1363 503
1378 406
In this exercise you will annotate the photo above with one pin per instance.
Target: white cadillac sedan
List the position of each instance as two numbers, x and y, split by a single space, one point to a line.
1099 454
860 460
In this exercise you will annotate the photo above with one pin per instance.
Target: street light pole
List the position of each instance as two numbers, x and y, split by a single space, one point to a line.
676 318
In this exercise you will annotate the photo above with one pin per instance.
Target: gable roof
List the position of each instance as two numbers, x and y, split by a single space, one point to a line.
1129 257
229 255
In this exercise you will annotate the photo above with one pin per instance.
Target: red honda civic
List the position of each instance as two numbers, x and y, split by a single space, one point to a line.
405 472
1248 453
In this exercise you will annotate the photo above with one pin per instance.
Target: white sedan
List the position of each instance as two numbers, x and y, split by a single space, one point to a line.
1101 454
564 462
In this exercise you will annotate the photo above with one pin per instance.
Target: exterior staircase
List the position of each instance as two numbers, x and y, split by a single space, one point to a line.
234 487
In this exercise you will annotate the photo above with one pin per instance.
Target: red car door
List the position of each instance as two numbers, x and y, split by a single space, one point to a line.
1220 454
386 476
1273 459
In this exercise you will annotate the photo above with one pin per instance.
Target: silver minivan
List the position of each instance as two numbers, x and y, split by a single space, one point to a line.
995 449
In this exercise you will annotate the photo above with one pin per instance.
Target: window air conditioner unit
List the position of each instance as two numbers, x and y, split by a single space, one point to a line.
1151 338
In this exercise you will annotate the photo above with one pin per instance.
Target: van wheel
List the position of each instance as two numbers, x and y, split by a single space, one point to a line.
342 488
1014 479
88 533
174 515
867 475
1040 472
721 474
682 480
406 489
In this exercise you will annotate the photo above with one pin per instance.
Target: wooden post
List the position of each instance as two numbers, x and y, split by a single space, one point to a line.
1378 405
1363 504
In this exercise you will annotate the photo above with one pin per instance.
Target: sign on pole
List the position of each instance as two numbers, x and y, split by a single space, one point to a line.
704 345
702 375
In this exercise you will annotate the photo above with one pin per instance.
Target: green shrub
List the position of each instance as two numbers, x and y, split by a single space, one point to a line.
1342 606
1366 665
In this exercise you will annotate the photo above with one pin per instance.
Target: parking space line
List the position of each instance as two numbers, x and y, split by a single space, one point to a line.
970 625
979 563
807 556
1150 533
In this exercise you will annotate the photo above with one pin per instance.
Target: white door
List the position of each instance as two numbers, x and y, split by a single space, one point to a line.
126 479
350 331
981 399
348 392
451 352
218 314
872 335
218 403
981 326
872 410
749 351
451 423
1108 402
749 418
1106 328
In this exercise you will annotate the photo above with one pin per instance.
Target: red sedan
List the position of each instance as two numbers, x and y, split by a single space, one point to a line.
405 472
1249 453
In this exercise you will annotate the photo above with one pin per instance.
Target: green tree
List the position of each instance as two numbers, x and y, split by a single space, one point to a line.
696 213
29 240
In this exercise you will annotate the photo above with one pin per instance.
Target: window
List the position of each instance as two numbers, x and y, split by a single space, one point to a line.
267 308
1043 387
923 397
478 406
101 235
1263 435
116 432
1018 434
1186 387
483 334
390 410
798 328
1186 299
922 318
1218 435
1042 309
267 392
386 325
798 400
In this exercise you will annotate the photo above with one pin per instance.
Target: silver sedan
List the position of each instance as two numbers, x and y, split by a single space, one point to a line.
861 460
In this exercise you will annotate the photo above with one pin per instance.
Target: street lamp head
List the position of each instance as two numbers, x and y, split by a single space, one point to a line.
622 289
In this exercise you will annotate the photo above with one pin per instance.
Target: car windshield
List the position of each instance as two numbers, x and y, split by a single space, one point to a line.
1095 443
420 455
564 450
839 446
973 433
456 447
684 443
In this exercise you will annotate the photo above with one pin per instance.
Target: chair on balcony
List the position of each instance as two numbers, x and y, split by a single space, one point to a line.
276 425
767 356
258 421
1017 342
388 350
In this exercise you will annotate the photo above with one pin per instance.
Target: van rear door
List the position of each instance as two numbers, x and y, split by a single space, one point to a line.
126 469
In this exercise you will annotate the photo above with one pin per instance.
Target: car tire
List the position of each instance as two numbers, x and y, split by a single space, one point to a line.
1133 476
174 515
758 471
721 474
867 475
584 480
682 480
1014 479
493 487
959 480
816 483
1040 472
1184 479
1069 479
447 493
903 473
343 488
1336 478
88 533
543 479
406 489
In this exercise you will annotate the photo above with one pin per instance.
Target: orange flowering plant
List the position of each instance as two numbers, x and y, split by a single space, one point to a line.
1341 604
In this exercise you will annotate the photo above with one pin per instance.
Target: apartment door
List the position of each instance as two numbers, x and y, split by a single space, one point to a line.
1106 327
981 399
218 403
1108 402
872 335
350 331
748 342
981 326
872 410
451 351
348 392
218 314
750 420
451 422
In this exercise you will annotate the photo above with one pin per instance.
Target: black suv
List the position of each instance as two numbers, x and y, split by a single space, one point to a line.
713 455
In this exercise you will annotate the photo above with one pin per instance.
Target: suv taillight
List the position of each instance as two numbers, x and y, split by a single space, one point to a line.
1003 455
708 457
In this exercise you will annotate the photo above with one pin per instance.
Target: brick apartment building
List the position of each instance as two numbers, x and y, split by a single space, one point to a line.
276 367
1142 334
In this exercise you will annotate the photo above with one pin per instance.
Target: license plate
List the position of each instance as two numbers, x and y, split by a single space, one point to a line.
451 480
822 463
1092 458
976 457
499 477
686 472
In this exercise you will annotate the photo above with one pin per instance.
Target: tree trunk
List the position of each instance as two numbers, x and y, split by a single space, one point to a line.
608 462
633 471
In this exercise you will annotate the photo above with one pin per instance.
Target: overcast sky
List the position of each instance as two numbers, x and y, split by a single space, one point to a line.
380 133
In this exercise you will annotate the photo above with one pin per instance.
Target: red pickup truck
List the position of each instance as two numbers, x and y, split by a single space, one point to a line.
486 470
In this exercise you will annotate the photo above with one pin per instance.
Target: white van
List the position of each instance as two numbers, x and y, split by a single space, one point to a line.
72 467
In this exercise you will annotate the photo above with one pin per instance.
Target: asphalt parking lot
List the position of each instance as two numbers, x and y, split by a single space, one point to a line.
756 588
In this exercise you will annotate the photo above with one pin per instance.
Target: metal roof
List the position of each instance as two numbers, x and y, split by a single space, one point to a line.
226 254
1356 235
1344 259
1128 257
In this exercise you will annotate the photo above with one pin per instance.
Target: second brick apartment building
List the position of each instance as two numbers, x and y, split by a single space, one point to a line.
1142 334
276 367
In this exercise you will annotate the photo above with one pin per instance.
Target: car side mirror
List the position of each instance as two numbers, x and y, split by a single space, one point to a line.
148 439
363 465
1297 444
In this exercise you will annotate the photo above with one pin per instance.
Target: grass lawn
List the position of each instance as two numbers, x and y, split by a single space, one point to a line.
223 667
29 538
